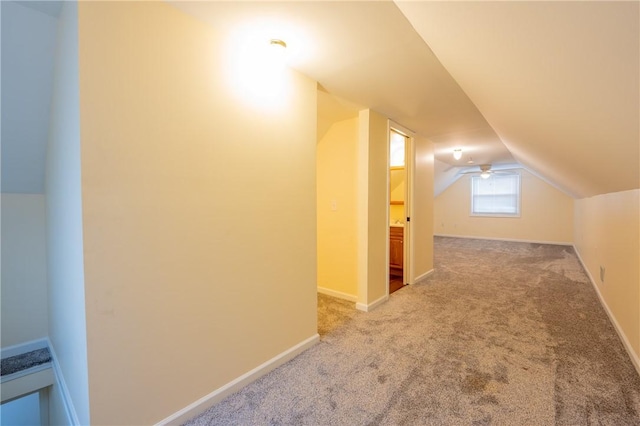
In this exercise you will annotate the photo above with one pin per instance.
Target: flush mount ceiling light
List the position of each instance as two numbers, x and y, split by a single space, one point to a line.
457 153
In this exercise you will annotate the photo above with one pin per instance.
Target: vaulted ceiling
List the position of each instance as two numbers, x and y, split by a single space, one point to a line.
557 81
553 85
28 47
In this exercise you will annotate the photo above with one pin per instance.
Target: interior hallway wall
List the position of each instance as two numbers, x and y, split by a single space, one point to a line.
337 214
199 211
65 257
373 205
546 214
607 231
24 269
423 207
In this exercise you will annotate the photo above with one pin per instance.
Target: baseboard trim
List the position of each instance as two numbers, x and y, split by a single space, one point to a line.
25 347
423 276
338 294
69 408
635 360
514 240
371 306
219 394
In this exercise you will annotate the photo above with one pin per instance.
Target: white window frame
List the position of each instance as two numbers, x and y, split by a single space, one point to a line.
497 214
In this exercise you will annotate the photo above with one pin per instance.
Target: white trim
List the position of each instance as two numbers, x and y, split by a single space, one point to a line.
69 408
219 394
25 347
338 294
18 374
425 275
635 360
27 384
514 240
371 306
399 128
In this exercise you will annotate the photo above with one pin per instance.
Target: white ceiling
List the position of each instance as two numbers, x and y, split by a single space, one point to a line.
368 53
28 41
557 83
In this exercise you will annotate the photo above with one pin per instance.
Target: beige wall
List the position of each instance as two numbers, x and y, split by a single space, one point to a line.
373 206
397 184
422 216
396 213
199 213
607 233
546 214
24 269
337 215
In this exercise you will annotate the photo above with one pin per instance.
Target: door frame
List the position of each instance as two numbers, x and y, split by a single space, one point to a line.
409 160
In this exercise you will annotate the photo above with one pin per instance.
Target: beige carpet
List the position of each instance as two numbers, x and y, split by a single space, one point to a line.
502 333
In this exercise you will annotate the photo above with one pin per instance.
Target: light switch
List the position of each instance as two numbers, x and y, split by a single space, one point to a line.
334 205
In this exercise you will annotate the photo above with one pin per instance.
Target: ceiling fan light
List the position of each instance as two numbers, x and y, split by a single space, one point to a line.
457 153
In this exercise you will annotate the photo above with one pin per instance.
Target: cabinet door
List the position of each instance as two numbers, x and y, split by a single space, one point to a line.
395 251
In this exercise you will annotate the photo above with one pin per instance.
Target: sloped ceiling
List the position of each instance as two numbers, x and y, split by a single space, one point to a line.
368 53
28 45
557 81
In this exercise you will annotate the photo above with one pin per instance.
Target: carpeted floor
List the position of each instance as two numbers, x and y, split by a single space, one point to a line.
502 333
24 361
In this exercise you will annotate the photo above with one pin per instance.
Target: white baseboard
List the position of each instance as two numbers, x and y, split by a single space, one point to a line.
422 276
69 408
625 342
25 347
371 306
338 294
515 240
219 394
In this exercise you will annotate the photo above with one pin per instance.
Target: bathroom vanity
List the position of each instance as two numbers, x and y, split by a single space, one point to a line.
396 250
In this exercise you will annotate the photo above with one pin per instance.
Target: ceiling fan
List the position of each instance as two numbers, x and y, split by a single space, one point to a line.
486 171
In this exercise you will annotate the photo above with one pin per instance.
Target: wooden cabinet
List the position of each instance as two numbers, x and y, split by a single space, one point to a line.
396 250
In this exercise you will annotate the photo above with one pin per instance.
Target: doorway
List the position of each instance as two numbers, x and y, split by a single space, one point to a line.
399 209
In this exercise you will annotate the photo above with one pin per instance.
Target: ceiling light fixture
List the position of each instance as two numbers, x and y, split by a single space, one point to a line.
278 43
485 175
457 153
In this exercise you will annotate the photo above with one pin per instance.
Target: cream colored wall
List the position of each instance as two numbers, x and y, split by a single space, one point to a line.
199 213
337 224
396 213
423 212
24 269
373 199
607 233
397 184
397 189
546 214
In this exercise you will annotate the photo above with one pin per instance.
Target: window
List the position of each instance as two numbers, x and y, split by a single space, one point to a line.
499 195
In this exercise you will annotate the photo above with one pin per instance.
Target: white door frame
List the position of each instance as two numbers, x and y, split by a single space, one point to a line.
409 162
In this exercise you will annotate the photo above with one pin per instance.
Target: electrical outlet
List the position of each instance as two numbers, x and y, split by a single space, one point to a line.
602 270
